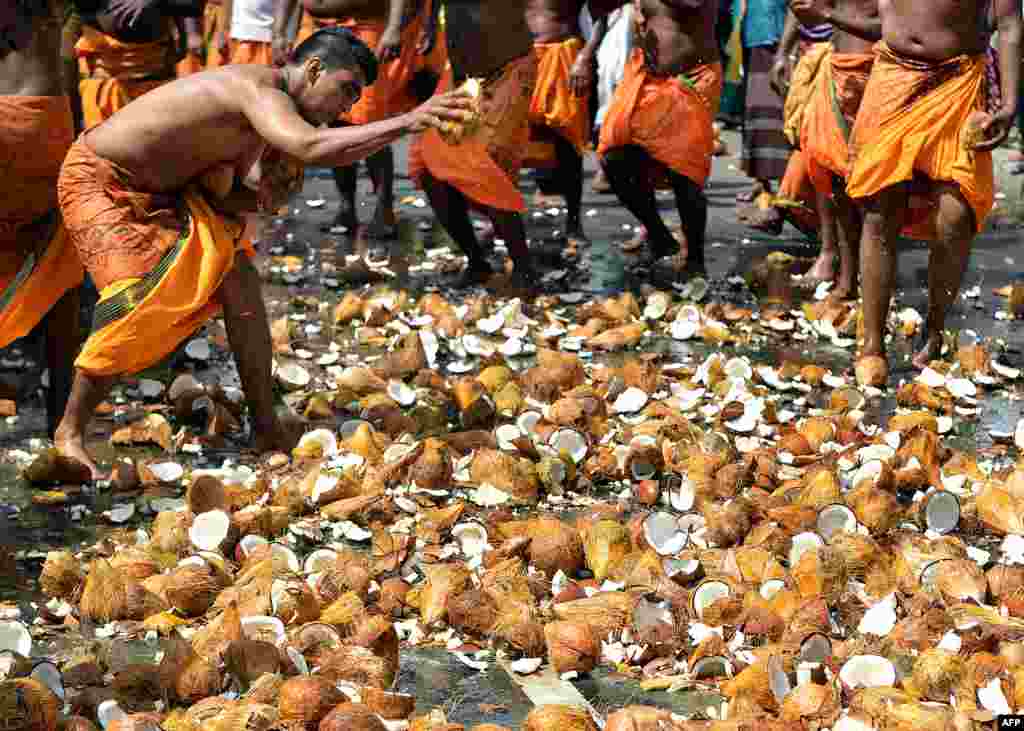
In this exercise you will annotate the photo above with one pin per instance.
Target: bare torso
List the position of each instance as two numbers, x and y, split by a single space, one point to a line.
844 42
677 36
553 20
35 68
169 136
935 30
484 35
151 25
365 10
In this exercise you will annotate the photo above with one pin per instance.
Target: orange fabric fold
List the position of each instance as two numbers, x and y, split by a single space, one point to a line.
801 87
254 53
912 123
796 193
554 107
189 65
116 72
105 218
391 94
670 117
830 115
214 23
35 134
485 166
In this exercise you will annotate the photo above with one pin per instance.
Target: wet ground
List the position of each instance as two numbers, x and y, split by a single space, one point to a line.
314 275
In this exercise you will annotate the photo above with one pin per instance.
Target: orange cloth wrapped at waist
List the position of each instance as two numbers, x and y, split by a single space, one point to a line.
116 72
796 200
158 261
554 107
37 263
391 94
801 87
252 53
485 166
671 117
913 122
189 65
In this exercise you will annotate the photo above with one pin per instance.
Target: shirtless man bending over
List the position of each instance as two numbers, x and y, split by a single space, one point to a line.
659 130
489 41
39 270
928 116
150 198
400 45
560 110
832 106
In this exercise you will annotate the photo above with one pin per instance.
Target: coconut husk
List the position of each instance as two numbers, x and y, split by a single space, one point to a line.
811 703
212 640
513 475
51 467
605 612
821 572
958 580
191 590
358 665
472 611
444 581
406 360
251 716
728 525
560 717
61 576
344 612
999 511
605 544
352 717
876 509
307 699
571 646
105 596
936 675
248 660
170 532
753 682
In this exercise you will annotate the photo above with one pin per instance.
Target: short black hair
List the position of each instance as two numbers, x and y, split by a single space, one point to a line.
338 48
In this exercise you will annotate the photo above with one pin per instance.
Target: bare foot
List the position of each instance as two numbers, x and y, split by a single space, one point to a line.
282 436
823 270
600 184
932 350
544 200
74 447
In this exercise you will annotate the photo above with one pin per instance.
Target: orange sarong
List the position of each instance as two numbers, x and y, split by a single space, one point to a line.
116 72
671 117
912 123
392 93
554 107
254 53
189 65
37 262
485 167
214 23
158 261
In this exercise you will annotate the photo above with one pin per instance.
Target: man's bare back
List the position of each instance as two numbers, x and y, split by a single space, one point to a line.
934 31
484 35
845 42
677 35
553 20
33 68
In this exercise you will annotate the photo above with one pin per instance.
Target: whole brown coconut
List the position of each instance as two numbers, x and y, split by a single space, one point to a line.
639 718
555 546
571 646
472 611
191 590
559 718
307 699
248 660
352 717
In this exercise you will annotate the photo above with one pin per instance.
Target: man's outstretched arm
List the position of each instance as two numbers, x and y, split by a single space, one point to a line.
1008 22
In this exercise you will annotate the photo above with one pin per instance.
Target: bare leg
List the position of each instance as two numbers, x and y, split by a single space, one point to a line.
345 179
452 210
624 168
87 392
570 183
848 233
508 225
947 262
693 215
883 219
246 320
381 167
63 336
823 269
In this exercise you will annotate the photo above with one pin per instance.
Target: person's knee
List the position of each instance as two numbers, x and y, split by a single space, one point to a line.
955 216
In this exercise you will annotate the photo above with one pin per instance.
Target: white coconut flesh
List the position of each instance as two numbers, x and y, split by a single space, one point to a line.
197 561
714 666
851 723
267 629
108 712
506 434
869 472
284 557
526 665
682 493
571 442
198 349
323 438
868 671
683 568
293 376
630 401
816 648
929 573
167 471
15 636
401 393
48 674
120 513
707 593
778 681
472 538
833 519
992 698
319 560
209 530
298 661
942 512
250 543
771 587
662 533
150 388
528 420
803 542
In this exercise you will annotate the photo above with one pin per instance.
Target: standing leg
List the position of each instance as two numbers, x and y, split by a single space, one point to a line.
381 167
883 219
452 210
245 318
823 269
570 184
947 262
346 178
62 326
509 226
87 392
624 167
693 215
848 234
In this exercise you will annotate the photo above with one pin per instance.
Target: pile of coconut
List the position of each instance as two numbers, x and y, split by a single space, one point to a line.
715 524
